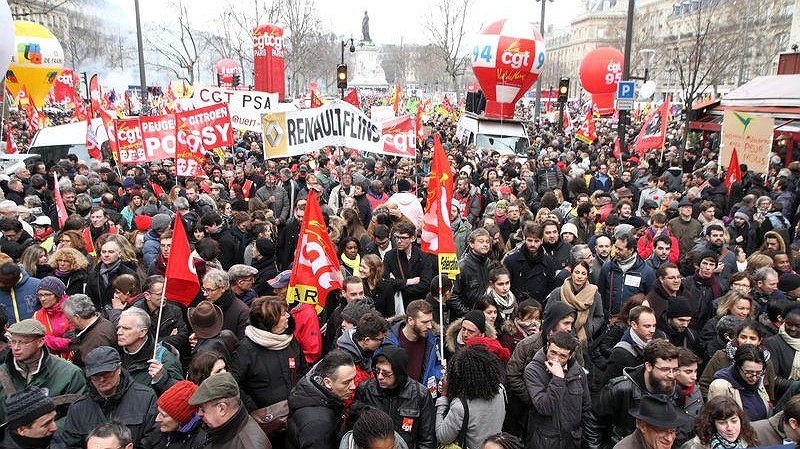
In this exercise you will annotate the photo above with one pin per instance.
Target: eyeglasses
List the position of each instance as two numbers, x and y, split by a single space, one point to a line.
666 370
748 373
384 373
15 342
402 237
210 290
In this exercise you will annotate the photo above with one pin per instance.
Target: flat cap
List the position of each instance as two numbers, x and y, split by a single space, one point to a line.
27 327
217 386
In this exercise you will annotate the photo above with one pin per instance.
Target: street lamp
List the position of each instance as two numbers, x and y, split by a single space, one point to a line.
538 104
352 50
142 80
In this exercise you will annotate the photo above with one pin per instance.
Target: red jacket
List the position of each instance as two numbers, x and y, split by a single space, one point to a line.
306 332
645 245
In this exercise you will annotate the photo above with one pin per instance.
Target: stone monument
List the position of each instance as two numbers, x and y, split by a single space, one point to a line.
368 73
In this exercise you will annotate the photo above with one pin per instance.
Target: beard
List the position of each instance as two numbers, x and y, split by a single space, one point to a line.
662 386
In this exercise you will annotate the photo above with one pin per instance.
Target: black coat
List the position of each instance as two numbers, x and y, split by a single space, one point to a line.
101 291
287 243
533 277
781 356
267 376
235 313
133 405
560 253
191 439
230 252
412 404
315 420
419 265
471 284
171 320
75 281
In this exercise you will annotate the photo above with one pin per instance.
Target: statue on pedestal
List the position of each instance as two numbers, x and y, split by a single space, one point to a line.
365 28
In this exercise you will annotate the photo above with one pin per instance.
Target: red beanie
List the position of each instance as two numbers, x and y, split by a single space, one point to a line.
175 401
142 222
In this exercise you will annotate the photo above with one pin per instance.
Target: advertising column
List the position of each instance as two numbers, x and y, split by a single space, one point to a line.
268 62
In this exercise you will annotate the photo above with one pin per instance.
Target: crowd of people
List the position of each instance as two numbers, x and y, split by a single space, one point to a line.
631 302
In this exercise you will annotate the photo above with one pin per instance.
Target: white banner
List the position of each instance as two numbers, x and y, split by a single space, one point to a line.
335 123
246 107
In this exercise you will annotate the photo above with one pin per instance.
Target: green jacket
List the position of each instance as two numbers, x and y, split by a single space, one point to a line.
138 364
59 376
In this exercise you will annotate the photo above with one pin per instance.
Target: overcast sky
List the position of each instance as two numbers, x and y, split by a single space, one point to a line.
390 21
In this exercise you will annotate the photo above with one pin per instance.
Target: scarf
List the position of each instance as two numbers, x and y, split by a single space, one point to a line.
631 337
352 264
532 258
531 328
267 339
41 236
106 270
793 343
581 302
626 264
717 442
505 305
711 283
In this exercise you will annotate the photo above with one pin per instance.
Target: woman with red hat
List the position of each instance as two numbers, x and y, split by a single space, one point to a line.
179 423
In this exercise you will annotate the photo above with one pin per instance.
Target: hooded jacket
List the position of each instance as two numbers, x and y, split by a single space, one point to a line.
431 364
753 400
315 420
559 405
409 404
20 301
470 285
526 349
362 361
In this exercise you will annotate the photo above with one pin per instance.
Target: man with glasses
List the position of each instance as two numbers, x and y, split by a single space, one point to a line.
362 342
112 394
174 330
216 289
410 268
30 363
242 278
608 422
401 397
666 287
381 243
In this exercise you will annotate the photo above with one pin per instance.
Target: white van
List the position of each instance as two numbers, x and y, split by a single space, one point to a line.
56 142
507 137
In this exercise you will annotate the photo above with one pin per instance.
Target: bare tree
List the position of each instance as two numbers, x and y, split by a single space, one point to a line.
175 46
396 62
445 26
701 60
27 9
302 22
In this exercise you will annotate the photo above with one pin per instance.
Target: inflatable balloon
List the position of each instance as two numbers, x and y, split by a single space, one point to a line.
36 61
226 69
601 71
6 36
507 57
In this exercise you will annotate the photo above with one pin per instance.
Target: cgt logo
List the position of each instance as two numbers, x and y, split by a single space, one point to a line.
274 132
514 56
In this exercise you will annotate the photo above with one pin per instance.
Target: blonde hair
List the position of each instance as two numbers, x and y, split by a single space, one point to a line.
78 260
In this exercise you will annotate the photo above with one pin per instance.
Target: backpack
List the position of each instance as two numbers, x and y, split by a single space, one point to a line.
780 225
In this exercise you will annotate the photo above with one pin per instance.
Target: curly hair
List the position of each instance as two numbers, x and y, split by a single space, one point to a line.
723 407
78 260
473 374
505 440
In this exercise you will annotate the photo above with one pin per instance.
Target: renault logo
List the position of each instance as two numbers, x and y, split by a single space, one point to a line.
273 133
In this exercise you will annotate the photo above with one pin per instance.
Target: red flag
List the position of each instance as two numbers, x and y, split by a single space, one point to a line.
441 174
95 94
566 123
181 277
617 150
654 130
157 189
316 100
397 94
437 236
316 270
11 145
734 172
587 132
352 98
248 184
92 147
60 208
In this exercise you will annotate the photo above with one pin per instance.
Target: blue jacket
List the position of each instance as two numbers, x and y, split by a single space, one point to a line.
150 249
432 366
24 301
615 291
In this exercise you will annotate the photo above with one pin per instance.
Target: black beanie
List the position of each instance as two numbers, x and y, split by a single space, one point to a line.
266 248
788 282
477 318
678 307
398 358
26 406
403 185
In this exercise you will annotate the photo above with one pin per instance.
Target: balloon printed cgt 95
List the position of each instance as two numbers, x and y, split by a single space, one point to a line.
601 71
507 58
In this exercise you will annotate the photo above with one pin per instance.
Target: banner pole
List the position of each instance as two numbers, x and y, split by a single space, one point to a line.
441 315
158 324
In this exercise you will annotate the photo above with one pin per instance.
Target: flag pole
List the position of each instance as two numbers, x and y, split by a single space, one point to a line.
158 323
441 316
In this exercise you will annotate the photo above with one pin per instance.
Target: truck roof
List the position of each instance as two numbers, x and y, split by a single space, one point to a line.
491 119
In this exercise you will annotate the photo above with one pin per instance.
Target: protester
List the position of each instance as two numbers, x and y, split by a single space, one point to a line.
30 420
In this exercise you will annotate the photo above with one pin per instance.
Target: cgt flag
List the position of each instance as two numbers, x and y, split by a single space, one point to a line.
441 174
316 270
654 130
182 284
11 145
437 237
587 132
734 172
61 209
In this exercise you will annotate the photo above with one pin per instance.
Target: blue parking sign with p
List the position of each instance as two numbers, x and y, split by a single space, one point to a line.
626 90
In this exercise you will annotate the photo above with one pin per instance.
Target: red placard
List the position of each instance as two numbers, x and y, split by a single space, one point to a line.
158 135
398 137
199 131
268 61
129 141
64 86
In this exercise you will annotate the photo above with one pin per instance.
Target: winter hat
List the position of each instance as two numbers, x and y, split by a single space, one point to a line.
26 406
789 282
355 310
160 223
743 216
266 248
142 222
53 285
678 308
477 318
175 401
569 228
128 183
403 185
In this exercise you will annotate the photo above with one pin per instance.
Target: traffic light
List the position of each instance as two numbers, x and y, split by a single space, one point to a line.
563 90
341 76
236 79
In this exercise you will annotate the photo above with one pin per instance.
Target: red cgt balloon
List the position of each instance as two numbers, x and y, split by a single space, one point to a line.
601 71
507 58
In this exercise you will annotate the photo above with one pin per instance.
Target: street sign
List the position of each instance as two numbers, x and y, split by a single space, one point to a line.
626 90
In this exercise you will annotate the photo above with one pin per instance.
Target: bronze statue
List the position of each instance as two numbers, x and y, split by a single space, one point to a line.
365 28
